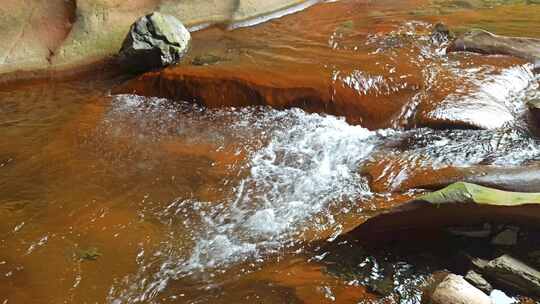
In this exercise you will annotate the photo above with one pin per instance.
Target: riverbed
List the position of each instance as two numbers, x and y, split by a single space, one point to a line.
121 198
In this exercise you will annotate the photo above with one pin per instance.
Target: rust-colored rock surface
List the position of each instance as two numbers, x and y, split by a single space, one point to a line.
461 100
393 175
285 87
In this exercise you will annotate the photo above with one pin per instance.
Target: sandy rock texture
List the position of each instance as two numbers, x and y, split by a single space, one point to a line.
57 35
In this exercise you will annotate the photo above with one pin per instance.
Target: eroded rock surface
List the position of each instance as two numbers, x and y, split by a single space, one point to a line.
56 35
232 84
478 95
460 204
526 178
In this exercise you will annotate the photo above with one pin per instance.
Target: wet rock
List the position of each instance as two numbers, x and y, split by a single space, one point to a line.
465 114
484 42
507 237
513 273
458 100
478 281
154 41
239 83
466 193
534 107
455 289
460 204
521 179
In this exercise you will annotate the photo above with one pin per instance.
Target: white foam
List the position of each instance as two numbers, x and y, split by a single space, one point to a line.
299 173
310 162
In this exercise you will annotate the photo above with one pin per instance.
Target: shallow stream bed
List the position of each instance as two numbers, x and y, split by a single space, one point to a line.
129 199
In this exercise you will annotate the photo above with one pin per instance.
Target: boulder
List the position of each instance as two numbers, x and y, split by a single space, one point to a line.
484 42
460 204
154 41
455 289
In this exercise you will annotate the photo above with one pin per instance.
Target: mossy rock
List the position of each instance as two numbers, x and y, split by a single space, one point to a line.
466 193
460 204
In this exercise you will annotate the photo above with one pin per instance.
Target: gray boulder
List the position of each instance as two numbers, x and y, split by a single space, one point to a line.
154 41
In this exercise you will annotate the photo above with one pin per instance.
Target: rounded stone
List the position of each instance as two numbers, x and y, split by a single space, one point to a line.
154 41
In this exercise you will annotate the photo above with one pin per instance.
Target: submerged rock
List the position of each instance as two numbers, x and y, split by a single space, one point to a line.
455 289
480 41
483 231
154 41
507 237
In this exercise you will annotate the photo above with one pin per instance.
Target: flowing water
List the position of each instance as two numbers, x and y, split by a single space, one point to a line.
129 199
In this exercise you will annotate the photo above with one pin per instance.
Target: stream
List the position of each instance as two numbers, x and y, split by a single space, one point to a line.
120 198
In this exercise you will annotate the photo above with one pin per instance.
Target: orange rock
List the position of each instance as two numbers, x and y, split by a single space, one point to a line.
287 86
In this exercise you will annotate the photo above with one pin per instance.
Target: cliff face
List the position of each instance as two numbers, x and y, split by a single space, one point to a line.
57 35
